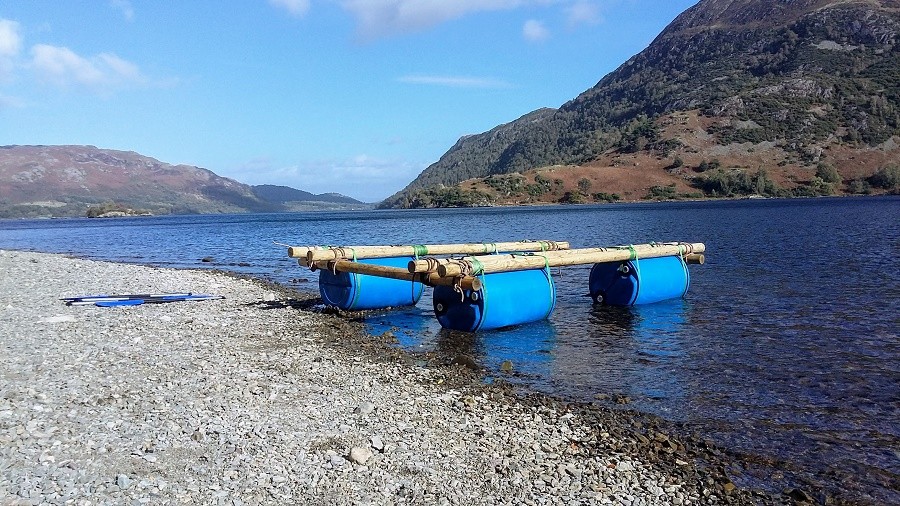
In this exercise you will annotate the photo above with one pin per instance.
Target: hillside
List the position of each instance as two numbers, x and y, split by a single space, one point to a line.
41 181
294 199
794 87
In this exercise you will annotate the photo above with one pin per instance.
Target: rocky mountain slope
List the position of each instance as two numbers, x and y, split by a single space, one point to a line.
37 181
785 86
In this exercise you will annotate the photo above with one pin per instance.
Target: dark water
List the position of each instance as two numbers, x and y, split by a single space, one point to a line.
786 345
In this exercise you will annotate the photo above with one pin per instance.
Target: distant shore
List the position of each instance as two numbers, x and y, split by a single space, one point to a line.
257 400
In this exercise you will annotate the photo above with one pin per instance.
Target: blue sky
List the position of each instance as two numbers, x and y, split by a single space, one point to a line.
348 96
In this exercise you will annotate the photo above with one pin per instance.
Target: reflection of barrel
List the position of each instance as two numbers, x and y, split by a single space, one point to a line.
350 291
639 281
506 298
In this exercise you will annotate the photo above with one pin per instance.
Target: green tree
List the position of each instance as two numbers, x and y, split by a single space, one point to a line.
828 173
584 185
887 178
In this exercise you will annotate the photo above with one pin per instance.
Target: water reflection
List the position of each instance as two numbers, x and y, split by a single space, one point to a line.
637 352
526 349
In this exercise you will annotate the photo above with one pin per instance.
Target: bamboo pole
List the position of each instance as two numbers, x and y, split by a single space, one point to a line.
314 253
429 278
505 263
433 264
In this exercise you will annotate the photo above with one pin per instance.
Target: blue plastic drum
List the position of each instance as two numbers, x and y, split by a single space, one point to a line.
505 299
639 281
356 292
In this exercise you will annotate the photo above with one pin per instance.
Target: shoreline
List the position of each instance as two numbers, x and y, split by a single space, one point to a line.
536 205
257 399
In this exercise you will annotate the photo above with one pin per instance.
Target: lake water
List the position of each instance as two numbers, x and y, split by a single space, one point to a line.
786 345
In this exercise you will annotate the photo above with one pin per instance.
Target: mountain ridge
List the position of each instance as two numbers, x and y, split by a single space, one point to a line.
67 180
809 76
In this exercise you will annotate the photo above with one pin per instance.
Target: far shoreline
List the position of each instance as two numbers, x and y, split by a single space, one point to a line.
534 205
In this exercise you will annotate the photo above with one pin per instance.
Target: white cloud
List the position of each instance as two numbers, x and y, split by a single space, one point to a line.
123 6
63 67
535 31
362 177
295 7
376 18
379 18
583 12
10 41
10 44
455 81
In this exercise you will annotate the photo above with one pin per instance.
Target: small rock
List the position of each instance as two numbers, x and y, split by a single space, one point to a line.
466 361
377 443
360 455
624 466
506 366
60 318
123 481
799 495
365 408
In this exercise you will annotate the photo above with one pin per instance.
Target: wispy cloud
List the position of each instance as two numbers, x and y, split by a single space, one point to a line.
378 18
123 6
63 67
10 41
294 7
455 81
535 31
583 13
10 45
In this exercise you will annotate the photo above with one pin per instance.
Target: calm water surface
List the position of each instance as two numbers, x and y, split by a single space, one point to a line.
786 345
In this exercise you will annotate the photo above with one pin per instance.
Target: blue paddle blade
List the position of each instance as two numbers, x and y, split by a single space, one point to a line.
114 303
98 297
154 300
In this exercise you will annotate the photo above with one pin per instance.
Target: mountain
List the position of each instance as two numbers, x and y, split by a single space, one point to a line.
288 196
40 181
798 88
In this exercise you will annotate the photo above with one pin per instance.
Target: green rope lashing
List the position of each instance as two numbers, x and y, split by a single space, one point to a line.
477 267
419 250
637 271
353 252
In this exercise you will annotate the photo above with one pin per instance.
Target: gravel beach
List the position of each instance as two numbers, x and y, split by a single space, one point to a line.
255 399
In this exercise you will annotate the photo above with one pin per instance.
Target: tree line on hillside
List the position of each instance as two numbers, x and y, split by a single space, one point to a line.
711 181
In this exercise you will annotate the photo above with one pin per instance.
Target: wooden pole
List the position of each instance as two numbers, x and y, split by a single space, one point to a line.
505 263
433 264
429 278
695 258
314 254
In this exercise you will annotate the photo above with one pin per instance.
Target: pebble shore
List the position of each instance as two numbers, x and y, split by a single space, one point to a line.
247 400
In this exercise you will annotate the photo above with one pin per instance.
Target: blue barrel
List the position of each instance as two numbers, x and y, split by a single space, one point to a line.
505 299
356 292
639 281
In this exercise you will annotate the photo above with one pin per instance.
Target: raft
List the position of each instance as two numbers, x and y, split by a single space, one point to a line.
485 286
